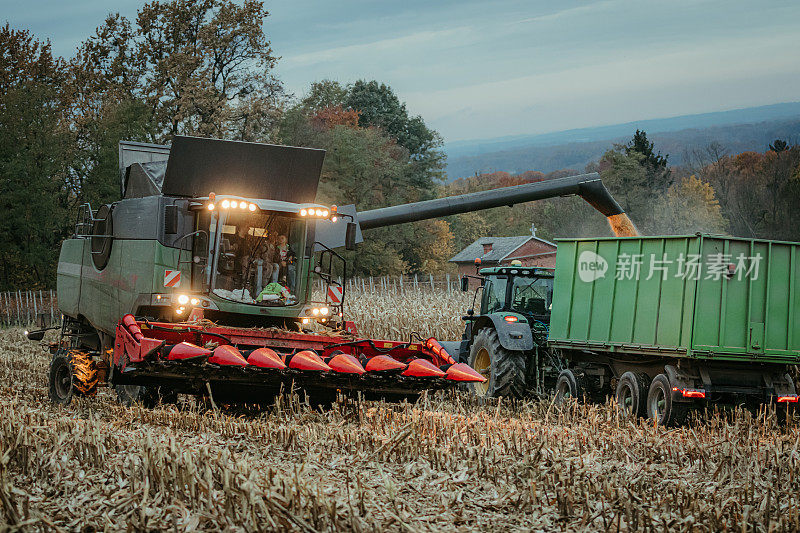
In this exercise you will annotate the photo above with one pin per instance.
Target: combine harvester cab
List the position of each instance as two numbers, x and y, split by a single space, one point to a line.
199 280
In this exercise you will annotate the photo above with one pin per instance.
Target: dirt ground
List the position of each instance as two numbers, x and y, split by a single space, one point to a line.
443 464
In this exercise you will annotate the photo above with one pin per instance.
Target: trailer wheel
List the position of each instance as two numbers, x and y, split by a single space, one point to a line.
660 406
569 385
60 379
504 369
631 395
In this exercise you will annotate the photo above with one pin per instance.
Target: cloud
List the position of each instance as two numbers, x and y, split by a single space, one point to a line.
359 52
585 9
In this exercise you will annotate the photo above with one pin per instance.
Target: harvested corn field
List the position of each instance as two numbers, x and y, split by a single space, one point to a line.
446 463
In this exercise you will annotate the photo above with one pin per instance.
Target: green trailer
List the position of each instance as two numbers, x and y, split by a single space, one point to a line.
665 323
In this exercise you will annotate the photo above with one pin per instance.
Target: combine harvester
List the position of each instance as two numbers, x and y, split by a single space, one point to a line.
199 280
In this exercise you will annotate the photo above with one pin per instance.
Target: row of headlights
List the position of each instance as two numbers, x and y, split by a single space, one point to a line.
314 213
233 204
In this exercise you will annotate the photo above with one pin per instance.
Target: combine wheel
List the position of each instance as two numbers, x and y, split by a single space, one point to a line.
660 406
632 394
60 379
504 369
569 386
149 397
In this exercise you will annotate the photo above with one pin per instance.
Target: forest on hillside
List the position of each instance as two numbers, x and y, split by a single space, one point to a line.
207 68
749 194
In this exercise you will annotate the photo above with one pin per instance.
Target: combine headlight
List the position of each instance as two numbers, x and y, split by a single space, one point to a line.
252 207
226 204
325 212
319 212
305 321
179 311
243 205
333 219
194 301
323 311
183 299
210 207
315 311
303 212
234 204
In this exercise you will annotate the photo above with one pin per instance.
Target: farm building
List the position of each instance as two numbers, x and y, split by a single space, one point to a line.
498 251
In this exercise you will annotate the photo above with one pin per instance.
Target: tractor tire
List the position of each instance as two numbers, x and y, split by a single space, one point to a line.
660 407
631 395
149 397
569 385
504 368
60 387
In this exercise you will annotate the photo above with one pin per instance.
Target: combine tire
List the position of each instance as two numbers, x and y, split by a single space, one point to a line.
632 394
660 406
149 397
505 369
60 379
569 386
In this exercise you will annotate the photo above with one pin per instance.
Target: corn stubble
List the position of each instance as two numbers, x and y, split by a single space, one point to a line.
444 463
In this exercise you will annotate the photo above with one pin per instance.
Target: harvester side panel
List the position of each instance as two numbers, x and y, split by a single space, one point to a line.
643 296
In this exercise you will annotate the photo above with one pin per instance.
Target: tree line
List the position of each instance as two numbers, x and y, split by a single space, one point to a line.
751 195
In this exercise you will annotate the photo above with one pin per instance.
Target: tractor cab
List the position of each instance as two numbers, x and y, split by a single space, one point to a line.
523 291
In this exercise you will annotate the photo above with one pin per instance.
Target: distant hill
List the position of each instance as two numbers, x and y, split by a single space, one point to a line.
738 131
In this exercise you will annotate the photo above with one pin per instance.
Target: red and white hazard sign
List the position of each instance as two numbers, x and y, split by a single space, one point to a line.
334 294
172 278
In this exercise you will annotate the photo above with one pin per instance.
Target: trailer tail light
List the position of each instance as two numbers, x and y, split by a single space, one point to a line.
691 393
789 398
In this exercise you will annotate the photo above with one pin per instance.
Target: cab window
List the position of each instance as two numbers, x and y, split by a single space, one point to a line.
494 295
531 295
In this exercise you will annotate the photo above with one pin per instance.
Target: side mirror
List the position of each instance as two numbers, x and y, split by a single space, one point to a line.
350 236
35 335
464 284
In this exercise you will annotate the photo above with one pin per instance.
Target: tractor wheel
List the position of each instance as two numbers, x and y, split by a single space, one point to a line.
149 397
631 394
504 369
569 385
60 379
660 406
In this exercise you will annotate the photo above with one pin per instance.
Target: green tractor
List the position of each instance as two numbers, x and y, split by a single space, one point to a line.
507 340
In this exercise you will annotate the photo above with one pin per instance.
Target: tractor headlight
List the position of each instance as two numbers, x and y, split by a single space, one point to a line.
315 311
324 212
303 212
194 301
210 207
226 204
252 207
323 311
234 204
183 299
305 321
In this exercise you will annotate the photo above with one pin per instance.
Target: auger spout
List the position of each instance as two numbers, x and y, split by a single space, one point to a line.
588 186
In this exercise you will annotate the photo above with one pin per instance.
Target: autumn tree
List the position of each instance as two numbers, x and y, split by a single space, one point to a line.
35 150
189 67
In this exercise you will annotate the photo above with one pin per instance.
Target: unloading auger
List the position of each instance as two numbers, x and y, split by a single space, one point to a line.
199 280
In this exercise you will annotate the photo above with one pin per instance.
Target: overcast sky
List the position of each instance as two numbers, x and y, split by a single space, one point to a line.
479 69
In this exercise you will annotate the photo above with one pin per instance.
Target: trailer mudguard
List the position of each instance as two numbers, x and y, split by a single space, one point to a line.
514 336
